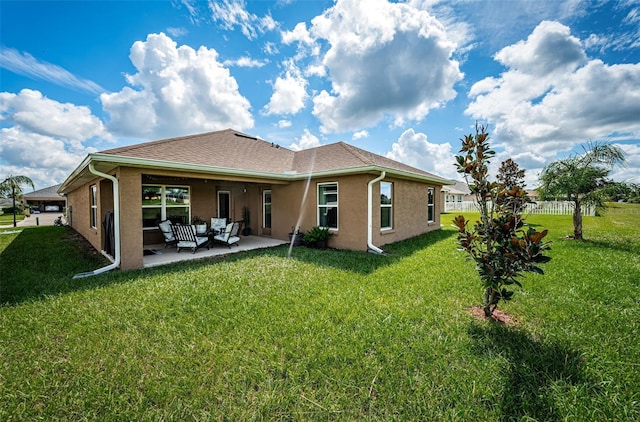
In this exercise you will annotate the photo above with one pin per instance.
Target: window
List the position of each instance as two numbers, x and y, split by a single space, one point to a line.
328 205
430 205
162 202
266 207
386 205
94 206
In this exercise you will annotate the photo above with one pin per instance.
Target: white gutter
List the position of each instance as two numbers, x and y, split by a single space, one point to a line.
116 224
372 247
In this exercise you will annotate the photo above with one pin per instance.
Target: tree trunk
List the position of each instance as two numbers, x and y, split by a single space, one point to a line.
577 221
489 301
13 195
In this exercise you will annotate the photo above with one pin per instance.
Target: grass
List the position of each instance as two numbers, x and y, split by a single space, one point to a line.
322 335
6 219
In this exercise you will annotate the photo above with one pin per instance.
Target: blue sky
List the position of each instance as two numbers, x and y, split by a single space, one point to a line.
402 79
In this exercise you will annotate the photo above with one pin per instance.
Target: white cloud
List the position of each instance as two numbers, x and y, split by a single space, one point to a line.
44 139
360 135
306 141
48 157
316 70
245 62
177 32
42 116
552 98
385 60
413 148
232 13
27 65
630 173
284 123
270 48
299 34
289 93
176 91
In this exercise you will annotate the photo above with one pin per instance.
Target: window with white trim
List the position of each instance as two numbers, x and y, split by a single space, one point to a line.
328 205
386 205
164 202
431 205
93 200
266 209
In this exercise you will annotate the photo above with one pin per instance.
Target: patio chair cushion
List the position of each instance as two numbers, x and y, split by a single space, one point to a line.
187 237
167 233
229 236
218 224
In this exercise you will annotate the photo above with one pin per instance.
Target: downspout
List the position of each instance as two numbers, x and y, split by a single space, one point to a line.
116 225
370 245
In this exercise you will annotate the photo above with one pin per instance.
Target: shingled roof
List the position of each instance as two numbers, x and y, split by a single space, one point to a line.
231 149
50 193
226 148
231 152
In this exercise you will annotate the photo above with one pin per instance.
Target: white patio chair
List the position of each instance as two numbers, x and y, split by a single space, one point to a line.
229 236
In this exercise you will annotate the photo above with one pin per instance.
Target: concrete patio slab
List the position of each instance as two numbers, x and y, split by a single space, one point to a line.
164 256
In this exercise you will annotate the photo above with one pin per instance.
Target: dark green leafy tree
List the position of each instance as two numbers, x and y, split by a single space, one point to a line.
581 179
622 192
501 244
11 187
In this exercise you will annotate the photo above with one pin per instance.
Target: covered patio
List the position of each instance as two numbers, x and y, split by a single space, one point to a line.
156 254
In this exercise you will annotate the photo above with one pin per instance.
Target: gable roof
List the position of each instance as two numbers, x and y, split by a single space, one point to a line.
50 193
459 188
232 153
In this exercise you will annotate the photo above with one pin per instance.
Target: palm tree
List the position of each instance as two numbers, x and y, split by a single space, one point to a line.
11 187
580 178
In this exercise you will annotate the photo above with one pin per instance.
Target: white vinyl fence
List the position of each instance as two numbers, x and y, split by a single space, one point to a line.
540 207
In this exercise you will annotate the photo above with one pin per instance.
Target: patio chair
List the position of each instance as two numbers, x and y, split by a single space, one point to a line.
218 225
167 233
229 236
186 237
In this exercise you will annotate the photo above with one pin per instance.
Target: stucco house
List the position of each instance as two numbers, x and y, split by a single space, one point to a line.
365 199
455 195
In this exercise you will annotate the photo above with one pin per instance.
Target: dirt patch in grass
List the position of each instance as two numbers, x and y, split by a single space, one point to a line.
498 316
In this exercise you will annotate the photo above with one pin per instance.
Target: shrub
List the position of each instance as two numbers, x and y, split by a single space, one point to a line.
317 237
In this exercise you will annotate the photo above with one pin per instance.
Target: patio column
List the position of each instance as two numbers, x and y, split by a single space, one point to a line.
131 238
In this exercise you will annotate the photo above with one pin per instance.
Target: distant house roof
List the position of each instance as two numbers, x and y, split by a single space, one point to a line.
45 194
234 153
459 188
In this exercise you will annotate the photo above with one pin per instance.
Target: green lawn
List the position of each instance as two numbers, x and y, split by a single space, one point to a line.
6 219
323 335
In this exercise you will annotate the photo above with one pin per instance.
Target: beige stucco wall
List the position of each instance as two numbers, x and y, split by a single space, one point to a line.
79 213
288 209
409 210
409 200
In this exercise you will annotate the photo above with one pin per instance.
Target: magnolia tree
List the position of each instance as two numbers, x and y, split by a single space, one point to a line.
501 244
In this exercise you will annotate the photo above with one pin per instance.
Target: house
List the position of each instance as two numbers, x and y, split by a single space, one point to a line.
454 195
365 199
45 200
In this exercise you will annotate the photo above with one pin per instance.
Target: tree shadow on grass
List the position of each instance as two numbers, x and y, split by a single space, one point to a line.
533 368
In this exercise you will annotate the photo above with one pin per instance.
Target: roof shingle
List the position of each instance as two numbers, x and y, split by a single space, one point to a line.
231 149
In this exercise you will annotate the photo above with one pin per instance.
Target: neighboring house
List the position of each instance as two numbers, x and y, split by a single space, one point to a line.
455 194
45 200
366 200
533 195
